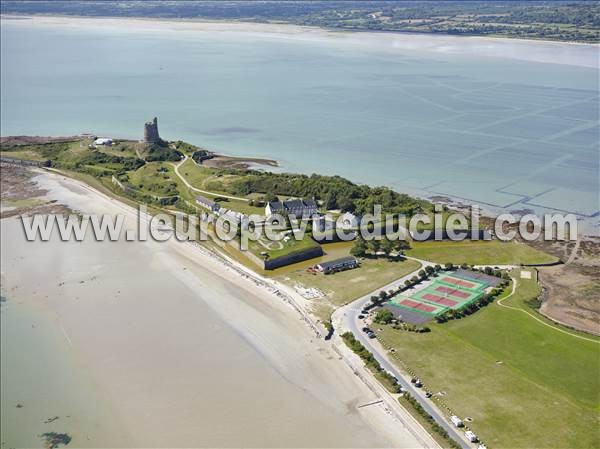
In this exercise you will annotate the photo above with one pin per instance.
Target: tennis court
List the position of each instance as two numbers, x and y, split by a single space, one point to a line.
451 290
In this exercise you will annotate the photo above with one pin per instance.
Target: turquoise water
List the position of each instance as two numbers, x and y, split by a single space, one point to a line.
506 133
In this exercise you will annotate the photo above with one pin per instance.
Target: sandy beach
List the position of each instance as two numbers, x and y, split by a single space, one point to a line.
165 347
520 49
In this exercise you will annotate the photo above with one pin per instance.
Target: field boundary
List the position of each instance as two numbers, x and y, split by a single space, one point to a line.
538 319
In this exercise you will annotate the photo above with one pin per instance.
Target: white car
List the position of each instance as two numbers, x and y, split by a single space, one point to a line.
471 436
456 421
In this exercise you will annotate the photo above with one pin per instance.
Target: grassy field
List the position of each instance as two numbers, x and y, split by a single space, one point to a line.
481 252
348 285
158 178
523 382
23 154
281 248
123 148
205 178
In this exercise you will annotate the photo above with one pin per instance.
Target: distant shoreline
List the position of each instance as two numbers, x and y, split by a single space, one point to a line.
535 50
15 16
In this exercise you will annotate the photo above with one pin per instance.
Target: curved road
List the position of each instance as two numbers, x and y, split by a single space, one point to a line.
346 319
206 192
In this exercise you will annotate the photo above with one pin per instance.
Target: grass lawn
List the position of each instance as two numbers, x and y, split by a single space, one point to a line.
348 285
123 148
494 252
282 248
205 178
525 384
208 178
150 180
23 154
236 205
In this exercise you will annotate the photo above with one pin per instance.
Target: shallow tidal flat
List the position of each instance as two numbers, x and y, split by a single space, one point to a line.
508 124
133 344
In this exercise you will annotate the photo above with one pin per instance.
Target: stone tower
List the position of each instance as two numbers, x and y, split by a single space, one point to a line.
151 131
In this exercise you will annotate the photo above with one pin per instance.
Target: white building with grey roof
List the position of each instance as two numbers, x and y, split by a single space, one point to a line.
298 207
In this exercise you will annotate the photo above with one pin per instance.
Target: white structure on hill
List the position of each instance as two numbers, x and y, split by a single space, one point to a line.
103 141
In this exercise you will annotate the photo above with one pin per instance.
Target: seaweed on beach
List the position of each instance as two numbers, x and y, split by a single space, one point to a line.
53 440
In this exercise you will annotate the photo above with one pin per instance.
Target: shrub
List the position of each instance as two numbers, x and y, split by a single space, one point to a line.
384 316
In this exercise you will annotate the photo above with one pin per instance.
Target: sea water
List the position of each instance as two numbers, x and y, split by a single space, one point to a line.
431 116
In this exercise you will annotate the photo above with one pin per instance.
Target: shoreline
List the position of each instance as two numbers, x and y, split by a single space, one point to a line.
586 224
500 47
274 301
13 16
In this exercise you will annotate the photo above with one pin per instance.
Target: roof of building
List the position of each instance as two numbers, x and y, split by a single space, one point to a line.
338 262
292 204
205 201
275 205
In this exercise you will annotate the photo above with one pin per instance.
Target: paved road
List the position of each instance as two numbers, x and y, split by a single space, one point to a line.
346 318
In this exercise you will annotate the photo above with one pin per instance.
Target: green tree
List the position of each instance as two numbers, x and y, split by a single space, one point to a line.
384 316
330 201
360 248
387 246
401 246
375 245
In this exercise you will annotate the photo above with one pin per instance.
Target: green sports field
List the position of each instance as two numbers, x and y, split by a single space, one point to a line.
447 291
492 252
525 382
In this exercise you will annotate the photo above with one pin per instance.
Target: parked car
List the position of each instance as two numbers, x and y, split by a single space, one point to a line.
372 335
456 421
360 317
428 394
418 383
471 436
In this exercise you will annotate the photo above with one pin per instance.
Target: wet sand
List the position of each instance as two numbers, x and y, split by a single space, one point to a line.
572 53
168 349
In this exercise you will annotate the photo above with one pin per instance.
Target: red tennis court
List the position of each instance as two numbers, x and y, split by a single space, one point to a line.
418 306
439 300
459 282
452 291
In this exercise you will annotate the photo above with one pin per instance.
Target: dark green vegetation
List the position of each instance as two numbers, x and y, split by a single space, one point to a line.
162 153
523 380
426 420
146 173
76 155
53 440
555 20
136 166
335 192
362 247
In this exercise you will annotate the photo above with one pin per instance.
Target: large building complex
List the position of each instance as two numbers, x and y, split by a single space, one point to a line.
298 207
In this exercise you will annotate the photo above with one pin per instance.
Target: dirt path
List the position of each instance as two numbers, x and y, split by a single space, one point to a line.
574 252
514 287
206 192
